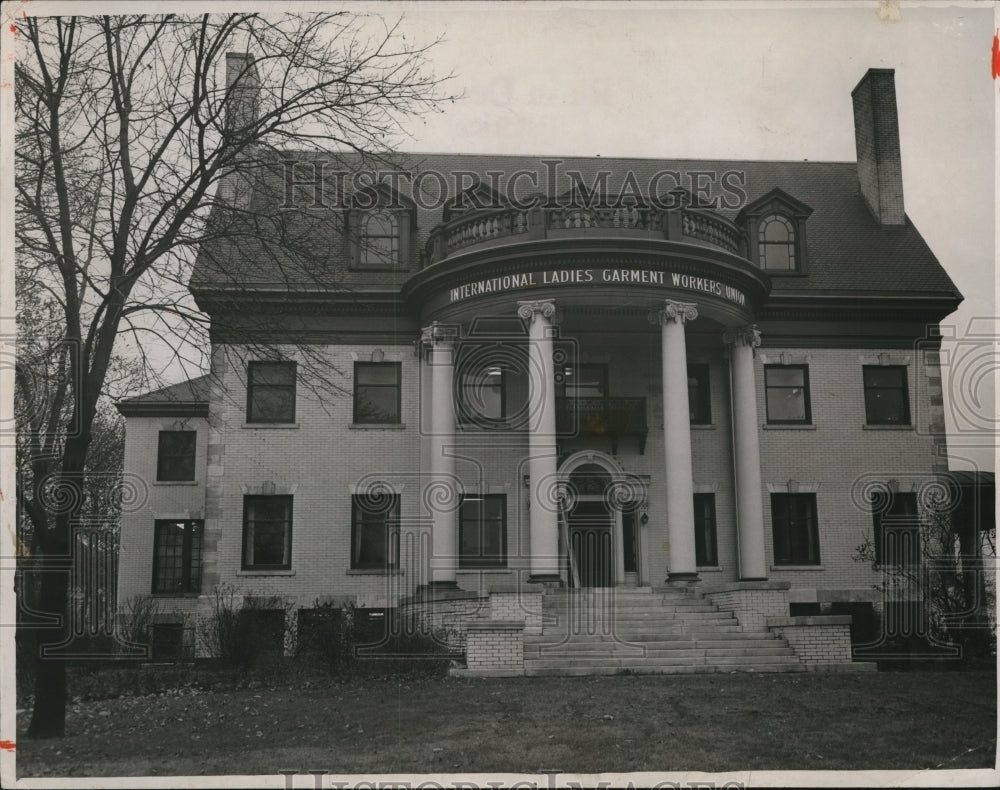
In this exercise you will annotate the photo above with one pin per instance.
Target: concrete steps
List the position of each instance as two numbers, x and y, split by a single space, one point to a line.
644 631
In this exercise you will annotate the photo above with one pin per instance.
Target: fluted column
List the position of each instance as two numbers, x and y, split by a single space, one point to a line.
746 452
677 439
544 523
441 495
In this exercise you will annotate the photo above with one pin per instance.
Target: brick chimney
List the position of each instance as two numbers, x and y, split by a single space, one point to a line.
242 90
876 136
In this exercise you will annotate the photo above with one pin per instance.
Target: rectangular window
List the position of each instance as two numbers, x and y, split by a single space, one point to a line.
175 456
483 531
267 532
699 400
375 532
796 537
271 392
483 397
897 531
787 394
377 392
706 549
887 401
177 556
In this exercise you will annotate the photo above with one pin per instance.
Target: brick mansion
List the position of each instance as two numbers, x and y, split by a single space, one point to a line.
494 391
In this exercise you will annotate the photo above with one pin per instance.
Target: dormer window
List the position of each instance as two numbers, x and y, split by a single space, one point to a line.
380 225
776 250
380 240
775 227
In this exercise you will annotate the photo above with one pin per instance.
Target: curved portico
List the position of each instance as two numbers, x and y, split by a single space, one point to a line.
588 282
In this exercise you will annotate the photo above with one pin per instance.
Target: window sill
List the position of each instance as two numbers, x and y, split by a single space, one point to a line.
703 426
251 572
788 426
175 482
486 569
710 568
797 567
893 427
375 572
377 426
269 426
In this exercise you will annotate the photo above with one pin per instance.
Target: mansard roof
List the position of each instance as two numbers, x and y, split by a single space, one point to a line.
849 252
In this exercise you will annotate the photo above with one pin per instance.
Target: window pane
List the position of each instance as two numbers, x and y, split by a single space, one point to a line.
796 538
786 405
267 531
777 257
378 373
272 373
883 376
482 540
272 404
776 229
482 393
377 404
785 377
176 455
885 407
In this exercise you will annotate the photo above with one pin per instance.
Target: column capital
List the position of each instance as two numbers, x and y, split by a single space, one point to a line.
438 334
748 335
674 311
545 307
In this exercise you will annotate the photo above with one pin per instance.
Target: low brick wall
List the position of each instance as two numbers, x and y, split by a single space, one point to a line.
816 640
518 605
449 611
495 647
752 603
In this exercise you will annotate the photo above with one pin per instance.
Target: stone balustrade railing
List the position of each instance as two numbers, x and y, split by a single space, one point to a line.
510 225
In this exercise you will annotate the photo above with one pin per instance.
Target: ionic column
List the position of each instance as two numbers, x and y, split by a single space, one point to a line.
441 495
746 452
544 523
677 439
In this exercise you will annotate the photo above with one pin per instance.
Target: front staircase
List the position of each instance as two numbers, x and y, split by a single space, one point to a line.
636 630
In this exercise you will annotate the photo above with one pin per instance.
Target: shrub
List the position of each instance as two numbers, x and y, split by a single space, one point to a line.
242 627
133 624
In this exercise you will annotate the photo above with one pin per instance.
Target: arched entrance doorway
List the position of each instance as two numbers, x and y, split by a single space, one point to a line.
601 514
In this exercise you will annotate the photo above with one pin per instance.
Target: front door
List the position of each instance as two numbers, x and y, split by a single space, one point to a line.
590 534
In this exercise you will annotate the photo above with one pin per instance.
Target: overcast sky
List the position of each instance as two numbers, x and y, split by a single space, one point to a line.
749 81
734 80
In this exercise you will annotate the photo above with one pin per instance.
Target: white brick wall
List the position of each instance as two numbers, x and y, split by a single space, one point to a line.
322 459
495 647
752 607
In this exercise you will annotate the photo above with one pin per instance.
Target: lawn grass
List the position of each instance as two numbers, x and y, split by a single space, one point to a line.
889 720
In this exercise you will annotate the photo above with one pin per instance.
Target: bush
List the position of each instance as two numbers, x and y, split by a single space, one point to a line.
241 628
134 624
349 644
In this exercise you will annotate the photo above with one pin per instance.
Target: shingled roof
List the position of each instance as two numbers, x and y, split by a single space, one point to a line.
849 252
188 398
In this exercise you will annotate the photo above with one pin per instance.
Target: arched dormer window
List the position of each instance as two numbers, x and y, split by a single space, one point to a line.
380 225
379 240
775 227
776 239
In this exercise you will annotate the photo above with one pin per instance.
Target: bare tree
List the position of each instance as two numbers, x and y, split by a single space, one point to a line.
134 150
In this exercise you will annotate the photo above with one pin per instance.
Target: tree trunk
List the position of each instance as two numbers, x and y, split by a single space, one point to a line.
48 717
